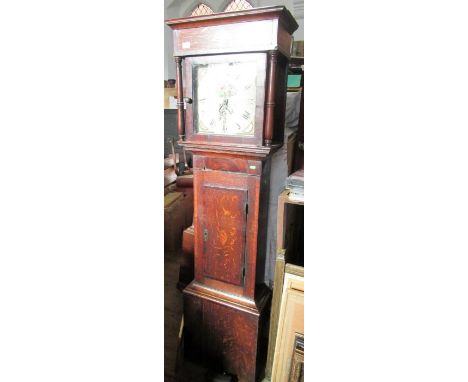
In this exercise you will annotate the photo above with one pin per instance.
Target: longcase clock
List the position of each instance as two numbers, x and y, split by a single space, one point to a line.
231 72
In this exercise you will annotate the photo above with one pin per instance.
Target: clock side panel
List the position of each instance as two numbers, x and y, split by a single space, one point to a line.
281 82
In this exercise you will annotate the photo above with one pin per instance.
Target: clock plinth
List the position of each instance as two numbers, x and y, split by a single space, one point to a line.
225 333
231 104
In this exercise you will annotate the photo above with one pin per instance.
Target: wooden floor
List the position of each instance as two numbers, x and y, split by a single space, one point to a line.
172 314
175 368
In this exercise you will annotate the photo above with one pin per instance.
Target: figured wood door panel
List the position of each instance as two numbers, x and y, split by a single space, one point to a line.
223 229
238 193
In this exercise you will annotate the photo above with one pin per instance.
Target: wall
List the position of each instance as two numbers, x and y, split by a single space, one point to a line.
177 8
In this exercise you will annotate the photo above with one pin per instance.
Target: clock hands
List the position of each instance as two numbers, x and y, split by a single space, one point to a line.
223 110
224 105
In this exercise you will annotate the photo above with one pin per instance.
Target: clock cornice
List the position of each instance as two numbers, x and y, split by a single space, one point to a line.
255 14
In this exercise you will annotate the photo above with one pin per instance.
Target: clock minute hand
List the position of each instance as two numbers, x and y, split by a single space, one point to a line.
223 106
222 112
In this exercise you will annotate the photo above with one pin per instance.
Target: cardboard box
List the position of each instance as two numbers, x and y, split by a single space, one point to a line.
178 215
169 92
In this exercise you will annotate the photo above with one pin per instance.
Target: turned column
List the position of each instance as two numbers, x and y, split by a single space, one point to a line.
180 99
270 98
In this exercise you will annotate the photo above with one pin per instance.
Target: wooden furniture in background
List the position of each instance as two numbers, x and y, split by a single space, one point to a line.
287 253
178 210
187 265
174 221
291 324
169 92
297 364
232 129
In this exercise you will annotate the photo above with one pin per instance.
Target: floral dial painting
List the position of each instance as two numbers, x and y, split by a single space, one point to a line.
225 98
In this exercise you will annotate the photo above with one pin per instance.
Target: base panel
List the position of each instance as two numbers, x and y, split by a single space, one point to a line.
226 337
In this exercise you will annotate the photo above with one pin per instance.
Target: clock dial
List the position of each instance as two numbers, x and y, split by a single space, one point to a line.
225 98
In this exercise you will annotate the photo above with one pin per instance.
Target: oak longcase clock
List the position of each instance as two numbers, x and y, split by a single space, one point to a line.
231 72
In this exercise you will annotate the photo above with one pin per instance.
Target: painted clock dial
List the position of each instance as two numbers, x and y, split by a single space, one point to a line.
225 98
